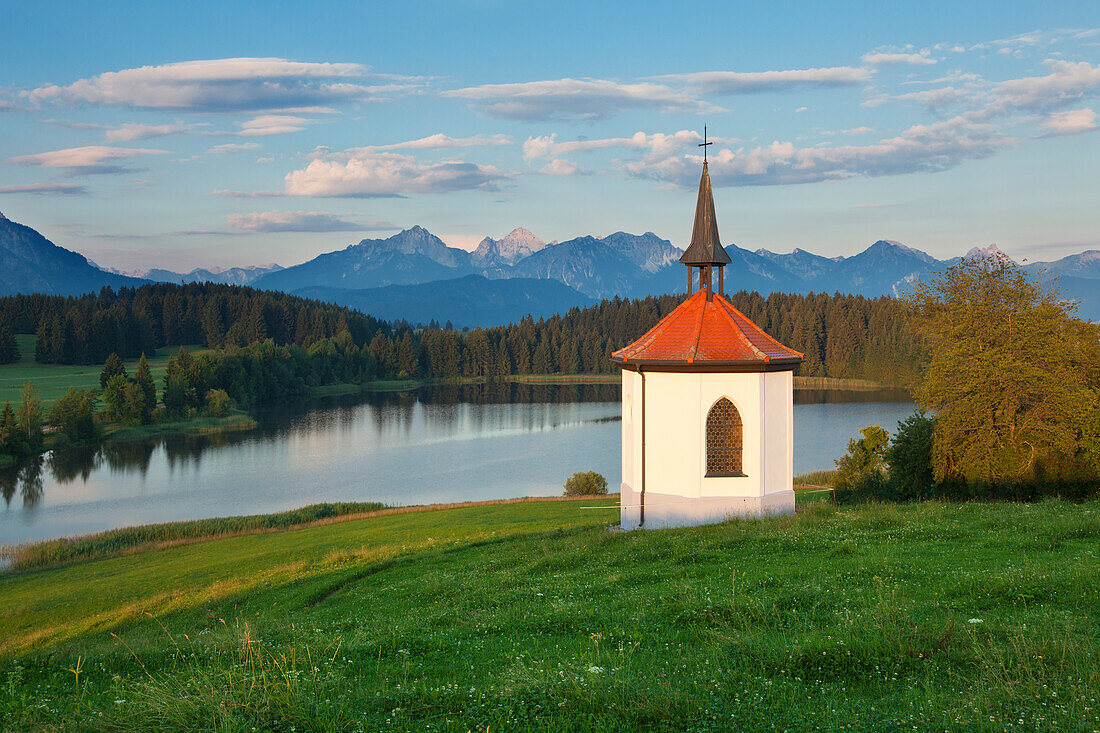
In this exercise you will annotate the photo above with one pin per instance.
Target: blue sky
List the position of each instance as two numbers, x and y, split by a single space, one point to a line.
230 133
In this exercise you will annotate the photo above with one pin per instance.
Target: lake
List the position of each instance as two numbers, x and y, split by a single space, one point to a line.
424 446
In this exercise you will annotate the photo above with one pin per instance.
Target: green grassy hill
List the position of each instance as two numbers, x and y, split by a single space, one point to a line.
533 616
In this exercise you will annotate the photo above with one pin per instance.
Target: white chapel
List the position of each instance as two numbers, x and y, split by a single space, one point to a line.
708 404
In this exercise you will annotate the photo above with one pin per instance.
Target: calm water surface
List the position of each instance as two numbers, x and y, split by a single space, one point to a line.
427 446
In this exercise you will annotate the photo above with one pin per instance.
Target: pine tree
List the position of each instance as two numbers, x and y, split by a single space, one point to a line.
10 442
111 368
9 350
144 379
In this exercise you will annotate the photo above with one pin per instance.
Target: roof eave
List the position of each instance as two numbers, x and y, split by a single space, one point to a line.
742 366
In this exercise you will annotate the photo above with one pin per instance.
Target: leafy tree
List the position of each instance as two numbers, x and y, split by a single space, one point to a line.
1090 439
30 417
909 457
182 384
74 414
112 368
1008 375
133 410
217 402
113 396
585 483
865 459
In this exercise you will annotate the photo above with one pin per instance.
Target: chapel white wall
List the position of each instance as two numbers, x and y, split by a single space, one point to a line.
676 408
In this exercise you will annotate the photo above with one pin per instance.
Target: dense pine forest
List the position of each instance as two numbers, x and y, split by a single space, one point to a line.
88 328
314 343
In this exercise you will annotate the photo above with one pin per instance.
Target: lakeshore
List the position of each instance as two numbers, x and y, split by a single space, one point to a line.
486 442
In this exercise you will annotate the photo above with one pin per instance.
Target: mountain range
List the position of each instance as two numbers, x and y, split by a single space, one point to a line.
414 275
223 275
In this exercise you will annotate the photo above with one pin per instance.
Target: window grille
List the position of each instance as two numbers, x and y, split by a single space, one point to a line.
724 440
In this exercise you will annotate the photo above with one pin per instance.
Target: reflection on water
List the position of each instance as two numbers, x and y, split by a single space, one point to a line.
454 443
842 396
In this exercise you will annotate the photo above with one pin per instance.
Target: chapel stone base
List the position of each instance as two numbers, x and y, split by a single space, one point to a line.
665 511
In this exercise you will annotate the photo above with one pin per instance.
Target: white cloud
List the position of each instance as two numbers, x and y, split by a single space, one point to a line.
1071 122
899 58
227 148
290 221
741 82
1066 83
131 131
921 148
561 167
367 173
230 194
545 146
659 143
934 99
223 85
85 160
64 189
273 125
862 130
439 140
574 99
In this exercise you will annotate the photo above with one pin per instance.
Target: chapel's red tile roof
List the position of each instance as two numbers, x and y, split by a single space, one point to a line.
708 332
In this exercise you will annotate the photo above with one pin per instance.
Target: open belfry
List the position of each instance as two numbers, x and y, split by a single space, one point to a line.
708 404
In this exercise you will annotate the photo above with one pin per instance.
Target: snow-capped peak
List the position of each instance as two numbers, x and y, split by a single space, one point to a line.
513 247
992 252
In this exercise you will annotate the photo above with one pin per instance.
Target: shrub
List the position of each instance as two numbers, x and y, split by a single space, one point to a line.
217 402
74 414
864 458
910 457
585 483
861 475
872 486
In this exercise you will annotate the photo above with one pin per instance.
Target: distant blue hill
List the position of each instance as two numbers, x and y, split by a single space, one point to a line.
466 302
30 263
413 256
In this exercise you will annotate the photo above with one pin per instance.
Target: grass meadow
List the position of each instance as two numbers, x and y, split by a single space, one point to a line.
534 616
53 380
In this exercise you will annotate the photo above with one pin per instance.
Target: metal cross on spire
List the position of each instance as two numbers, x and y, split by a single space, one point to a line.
704 144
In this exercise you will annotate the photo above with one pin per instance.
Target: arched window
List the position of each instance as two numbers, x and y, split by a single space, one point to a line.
724 440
